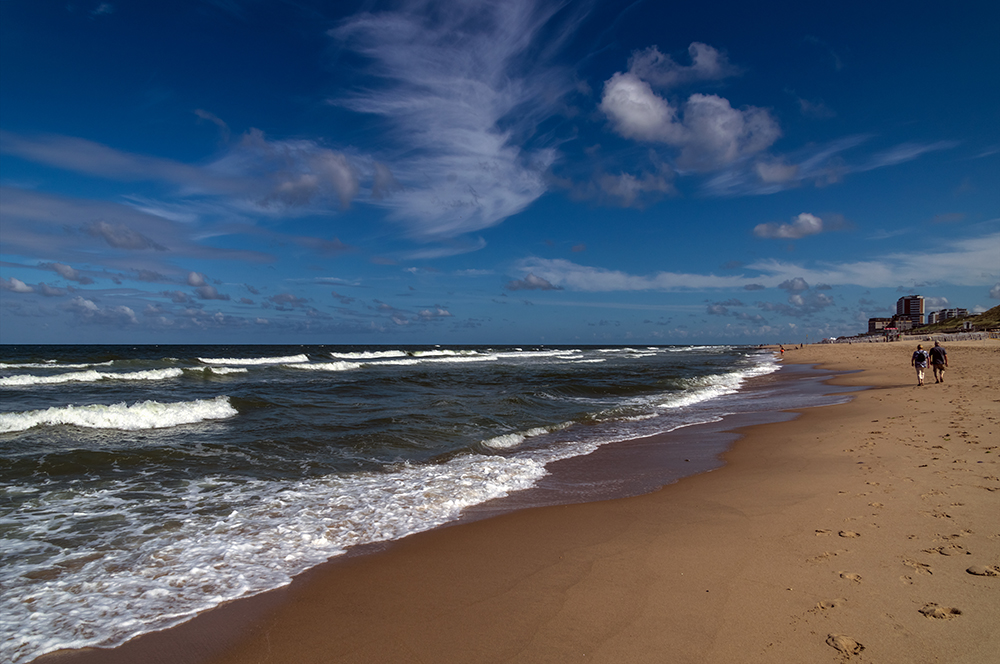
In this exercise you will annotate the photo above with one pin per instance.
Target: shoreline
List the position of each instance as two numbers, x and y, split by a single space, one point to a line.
729 565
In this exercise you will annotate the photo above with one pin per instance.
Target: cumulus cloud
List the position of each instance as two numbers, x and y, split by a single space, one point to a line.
795 285
15 285
800 302
196 279
66 272
210 293
459 89
89 311
995 292
531 282
803 225
296 172
709 132
431 314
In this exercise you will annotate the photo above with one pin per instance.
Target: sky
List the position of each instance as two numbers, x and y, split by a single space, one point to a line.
478 172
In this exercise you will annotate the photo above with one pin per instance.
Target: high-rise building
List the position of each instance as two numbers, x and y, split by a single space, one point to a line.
912 307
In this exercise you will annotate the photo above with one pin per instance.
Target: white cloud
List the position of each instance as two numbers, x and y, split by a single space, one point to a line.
89 311
995 292
708 130
67 272
776 171
707 64
565 274
531 282
460 87
803 225
255 172
196 279
823 165
628 190
967 262
15 285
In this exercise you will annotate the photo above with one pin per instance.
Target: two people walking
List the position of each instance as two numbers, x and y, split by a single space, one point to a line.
937 357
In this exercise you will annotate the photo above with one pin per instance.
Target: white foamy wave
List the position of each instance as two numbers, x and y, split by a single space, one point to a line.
368 355
444 353
540 353
711 387
273 531
435 359
510 440
249 361
219 371
52 365
326 366
89 376
141 415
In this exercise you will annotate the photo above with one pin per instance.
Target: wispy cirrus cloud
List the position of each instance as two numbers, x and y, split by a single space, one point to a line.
819 165
965 262
460 87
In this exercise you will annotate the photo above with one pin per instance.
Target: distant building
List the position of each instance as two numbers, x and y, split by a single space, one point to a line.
901 323
946 314
876 325
912 307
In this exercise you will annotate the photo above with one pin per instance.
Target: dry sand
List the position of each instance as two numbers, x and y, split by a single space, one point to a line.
867 531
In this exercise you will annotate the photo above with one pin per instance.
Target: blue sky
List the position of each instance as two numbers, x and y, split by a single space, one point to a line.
240 171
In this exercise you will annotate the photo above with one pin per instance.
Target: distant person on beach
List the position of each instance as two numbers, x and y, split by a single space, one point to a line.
939 360
919 360
782 349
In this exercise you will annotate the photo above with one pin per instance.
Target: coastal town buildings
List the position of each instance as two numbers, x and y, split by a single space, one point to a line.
912 307
946 314
876 325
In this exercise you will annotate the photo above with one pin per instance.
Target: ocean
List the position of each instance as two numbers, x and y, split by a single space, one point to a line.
144 484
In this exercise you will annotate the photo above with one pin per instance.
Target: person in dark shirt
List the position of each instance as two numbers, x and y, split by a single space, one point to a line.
939 360
919 361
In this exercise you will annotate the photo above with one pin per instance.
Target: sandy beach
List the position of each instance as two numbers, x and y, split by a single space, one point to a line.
866 531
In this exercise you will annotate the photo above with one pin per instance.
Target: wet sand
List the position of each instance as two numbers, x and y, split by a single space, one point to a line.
866 531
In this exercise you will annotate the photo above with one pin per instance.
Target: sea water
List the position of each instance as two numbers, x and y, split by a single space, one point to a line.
142 485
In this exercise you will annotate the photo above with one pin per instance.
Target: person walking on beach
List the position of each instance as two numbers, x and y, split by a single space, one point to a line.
919 360
939 360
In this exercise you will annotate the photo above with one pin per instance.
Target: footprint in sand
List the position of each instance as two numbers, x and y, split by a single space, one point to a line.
823 531
850 576
831 603
981 570
932 610
920 568
845 644
849 533
950 550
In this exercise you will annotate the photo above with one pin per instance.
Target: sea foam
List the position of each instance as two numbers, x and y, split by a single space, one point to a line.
141 415
245 361
89 376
